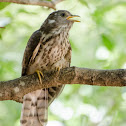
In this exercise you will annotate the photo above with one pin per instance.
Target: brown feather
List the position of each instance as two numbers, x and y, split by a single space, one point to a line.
48 48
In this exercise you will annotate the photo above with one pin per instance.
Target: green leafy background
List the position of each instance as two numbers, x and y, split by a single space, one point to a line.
99 42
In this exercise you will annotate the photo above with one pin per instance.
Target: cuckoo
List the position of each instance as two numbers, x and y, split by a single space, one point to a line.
47 49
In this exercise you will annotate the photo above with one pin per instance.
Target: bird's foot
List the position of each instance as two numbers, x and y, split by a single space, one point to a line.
40 75
58 69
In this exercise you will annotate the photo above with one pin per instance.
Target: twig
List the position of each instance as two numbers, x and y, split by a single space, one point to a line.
2 27
49 4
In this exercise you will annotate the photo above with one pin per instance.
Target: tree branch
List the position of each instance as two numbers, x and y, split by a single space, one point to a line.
49 4
16 89
2 27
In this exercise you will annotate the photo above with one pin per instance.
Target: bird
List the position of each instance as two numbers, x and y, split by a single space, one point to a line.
47 49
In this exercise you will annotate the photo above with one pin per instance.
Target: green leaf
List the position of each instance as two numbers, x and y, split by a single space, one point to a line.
107 42
3 5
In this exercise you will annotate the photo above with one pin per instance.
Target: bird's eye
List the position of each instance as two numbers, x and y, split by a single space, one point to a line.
63 14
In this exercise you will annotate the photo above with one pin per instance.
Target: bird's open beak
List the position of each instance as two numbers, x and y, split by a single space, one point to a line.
71 18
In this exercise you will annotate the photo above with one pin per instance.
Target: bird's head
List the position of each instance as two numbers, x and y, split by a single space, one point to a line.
58 21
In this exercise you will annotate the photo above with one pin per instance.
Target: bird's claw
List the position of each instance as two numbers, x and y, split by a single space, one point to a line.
58 69
40 75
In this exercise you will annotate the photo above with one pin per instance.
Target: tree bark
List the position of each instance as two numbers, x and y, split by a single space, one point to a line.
16 89
49 4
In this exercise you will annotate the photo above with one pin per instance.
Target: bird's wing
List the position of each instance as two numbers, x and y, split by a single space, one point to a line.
32 44
35 104
55 91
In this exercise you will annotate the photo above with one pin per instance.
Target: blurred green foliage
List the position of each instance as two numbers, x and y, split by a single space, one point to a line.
99 42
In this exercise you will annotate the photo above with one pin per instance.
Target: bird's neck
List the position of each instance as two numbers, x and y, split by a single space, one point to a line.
47 35
54 30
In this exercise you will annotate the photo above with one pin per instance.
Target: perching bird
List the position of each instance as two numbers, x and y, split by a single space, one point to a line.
48 49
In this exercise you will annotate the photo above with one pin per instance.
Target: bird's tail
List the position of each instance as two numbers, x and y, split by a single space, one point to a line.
34 108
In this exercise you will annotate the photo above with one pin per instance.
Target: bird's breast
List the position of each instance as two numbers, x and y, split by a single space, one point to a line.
50 55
